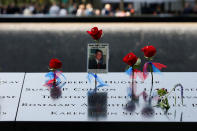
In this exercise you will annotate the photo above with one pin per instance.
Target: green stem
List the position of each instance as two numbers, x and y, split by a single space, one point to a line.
97 41
151 70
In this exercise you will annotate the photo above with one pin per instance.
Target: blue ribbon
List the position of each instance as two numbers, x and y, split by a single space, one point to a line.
155 69
129 71
98 79
50 75
58 80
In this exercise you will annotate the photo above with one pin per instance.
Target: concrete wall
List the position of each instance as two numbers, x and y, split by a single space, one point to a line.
29 47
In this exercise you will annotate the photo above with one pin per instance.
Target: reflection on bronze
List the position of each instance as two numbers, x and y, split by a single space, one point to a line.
55 92
97 105
148 110
181 119
131 107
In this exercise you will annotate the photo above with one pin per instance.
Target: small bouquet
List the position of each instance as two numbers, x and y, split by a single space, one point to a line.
162 95
163 101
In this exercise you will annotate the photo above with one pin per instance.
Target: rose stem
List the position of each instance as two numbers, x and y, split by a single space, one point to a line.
151 70
97 41
95 89
132 83
54 82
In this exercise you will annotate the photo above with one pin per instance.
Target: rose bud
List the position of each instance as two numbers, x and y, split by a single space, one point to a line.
95 33
55 64
149 51
130 59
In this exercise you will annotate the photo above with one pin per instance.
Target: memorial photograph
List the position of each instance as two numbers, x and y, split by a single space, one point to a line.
98 58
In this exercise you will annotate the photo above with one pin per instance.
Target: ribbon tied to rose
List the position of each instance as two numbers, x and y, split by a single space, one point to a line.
133 62
55 77
136 73
156 67
98 79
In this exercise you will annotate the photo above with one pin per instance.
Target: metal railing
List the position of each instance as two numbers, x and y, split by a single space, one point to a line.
141 18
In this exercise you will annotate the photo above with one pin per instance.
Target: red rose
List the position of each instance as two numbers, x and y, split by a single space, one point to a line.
55 64
149 51
95 33
130 59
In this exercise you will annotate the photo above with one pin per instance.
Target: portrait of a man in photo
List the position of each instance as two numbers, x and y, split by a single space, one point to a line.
97 61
